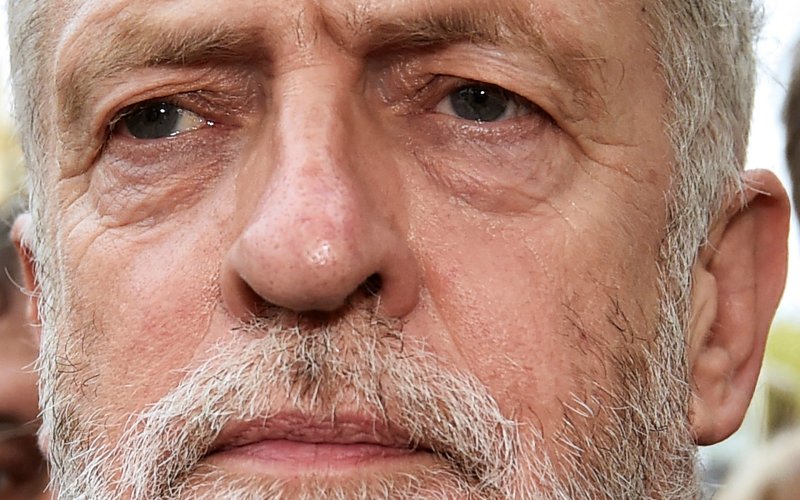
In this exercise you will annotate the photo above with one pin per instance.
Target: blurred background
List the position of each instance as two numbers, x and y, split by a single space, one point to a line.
776 406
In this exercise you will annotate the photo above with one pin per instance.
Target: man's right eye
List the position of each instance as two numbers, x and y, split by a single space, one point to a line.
158 120
483 103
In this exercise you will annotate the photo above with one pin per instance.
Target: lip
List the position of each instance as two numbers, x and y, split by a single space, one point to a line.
292 444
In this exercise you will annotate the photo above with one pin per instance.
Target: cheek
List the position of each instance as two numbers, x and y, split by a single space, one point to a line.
149 314
534 306
499 300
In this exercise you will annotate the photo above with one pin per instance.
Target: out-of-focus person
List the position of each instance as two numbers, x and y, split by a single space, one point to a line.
23 474
792 117
772 473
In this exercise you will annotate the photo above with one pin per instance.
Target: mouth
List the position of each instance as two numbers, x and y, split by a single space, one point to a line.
291 445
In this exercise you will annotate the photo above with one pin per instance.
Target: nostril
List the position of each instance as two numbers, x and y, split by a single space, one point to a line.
244 302
372 285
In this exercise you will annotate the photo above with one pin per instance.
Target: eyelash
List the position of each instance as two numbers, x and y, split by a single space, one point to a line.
219 106
186 101
160 113
427 92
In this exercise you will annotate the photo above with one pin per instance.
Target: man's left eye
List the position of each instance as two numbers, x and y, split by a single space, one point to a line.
480 102
158 120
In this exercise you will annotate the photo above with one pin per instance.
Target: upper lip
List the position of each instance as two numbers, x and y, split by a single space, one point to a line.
347 428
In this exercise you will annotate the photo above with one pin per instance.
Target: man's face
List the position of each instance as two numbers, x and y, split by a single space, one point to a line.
363 248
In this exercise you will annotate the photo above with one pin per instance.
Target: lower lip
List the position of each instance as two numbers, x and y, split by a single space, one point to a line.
293 457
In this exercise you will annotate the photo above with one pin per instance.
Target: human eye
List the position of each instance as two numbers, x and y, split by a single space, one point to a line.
157 119
483 103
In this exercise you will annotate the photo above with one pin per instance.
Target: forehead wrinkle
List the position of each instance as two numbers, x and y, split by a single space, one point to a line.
376 28
139 42
505 25
306 34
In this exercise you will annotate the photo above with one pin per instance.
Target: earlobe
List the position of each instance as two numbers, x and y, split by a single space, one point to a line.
20 236
738 280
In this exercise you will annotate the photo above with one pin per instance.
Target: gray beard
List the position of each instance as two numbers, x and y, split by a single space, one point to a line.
628 441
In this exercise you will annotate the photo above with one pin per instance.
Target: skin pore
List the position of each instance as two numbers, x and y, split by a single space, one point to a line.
418 237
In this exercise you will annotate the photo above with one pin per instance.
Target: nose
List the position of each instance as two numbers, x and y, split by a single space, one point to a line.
320 232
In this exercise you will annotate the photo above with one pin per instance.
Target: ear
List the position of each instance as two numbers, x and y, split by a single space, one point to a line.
738 280
20 236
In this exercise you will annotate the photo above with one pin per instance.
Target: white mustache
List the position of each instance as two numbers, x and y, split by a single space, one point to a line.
358 362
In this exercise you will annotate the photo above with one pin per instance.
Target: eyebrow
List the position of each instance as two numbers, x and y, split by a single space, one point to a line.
131 43
139 44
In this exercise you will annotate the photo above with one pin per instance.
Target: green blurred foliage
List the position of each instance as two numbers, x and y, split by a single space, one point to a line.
784 345
782 377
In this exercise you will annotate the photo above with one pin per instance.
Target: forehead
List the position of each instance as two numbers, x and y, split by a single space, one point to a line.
352 12
572 33
591 45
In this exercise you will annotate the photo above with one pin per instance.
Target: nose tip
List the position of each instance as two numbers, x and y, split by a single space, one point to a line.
319 280
317 259
297 275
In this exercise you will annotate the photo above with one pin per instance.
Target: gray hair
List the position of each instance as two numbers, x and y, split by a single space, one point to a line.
706 52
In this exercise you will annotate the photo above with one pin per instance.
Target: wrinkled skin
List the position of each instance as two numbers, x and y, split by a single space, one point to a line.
326 157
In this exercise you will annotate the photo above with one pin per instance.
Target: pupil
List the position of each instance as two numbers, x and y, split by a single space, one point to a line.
153 121
480 103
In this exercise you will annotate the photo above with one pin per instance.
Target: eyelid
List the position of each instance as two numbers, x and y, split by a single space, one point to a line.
233 97
191 120
187 102
202 90
219 106
429 92
519 106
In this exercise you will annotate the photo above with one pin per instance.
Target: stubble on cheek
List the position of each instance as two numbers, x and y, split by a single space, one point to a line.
635 398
